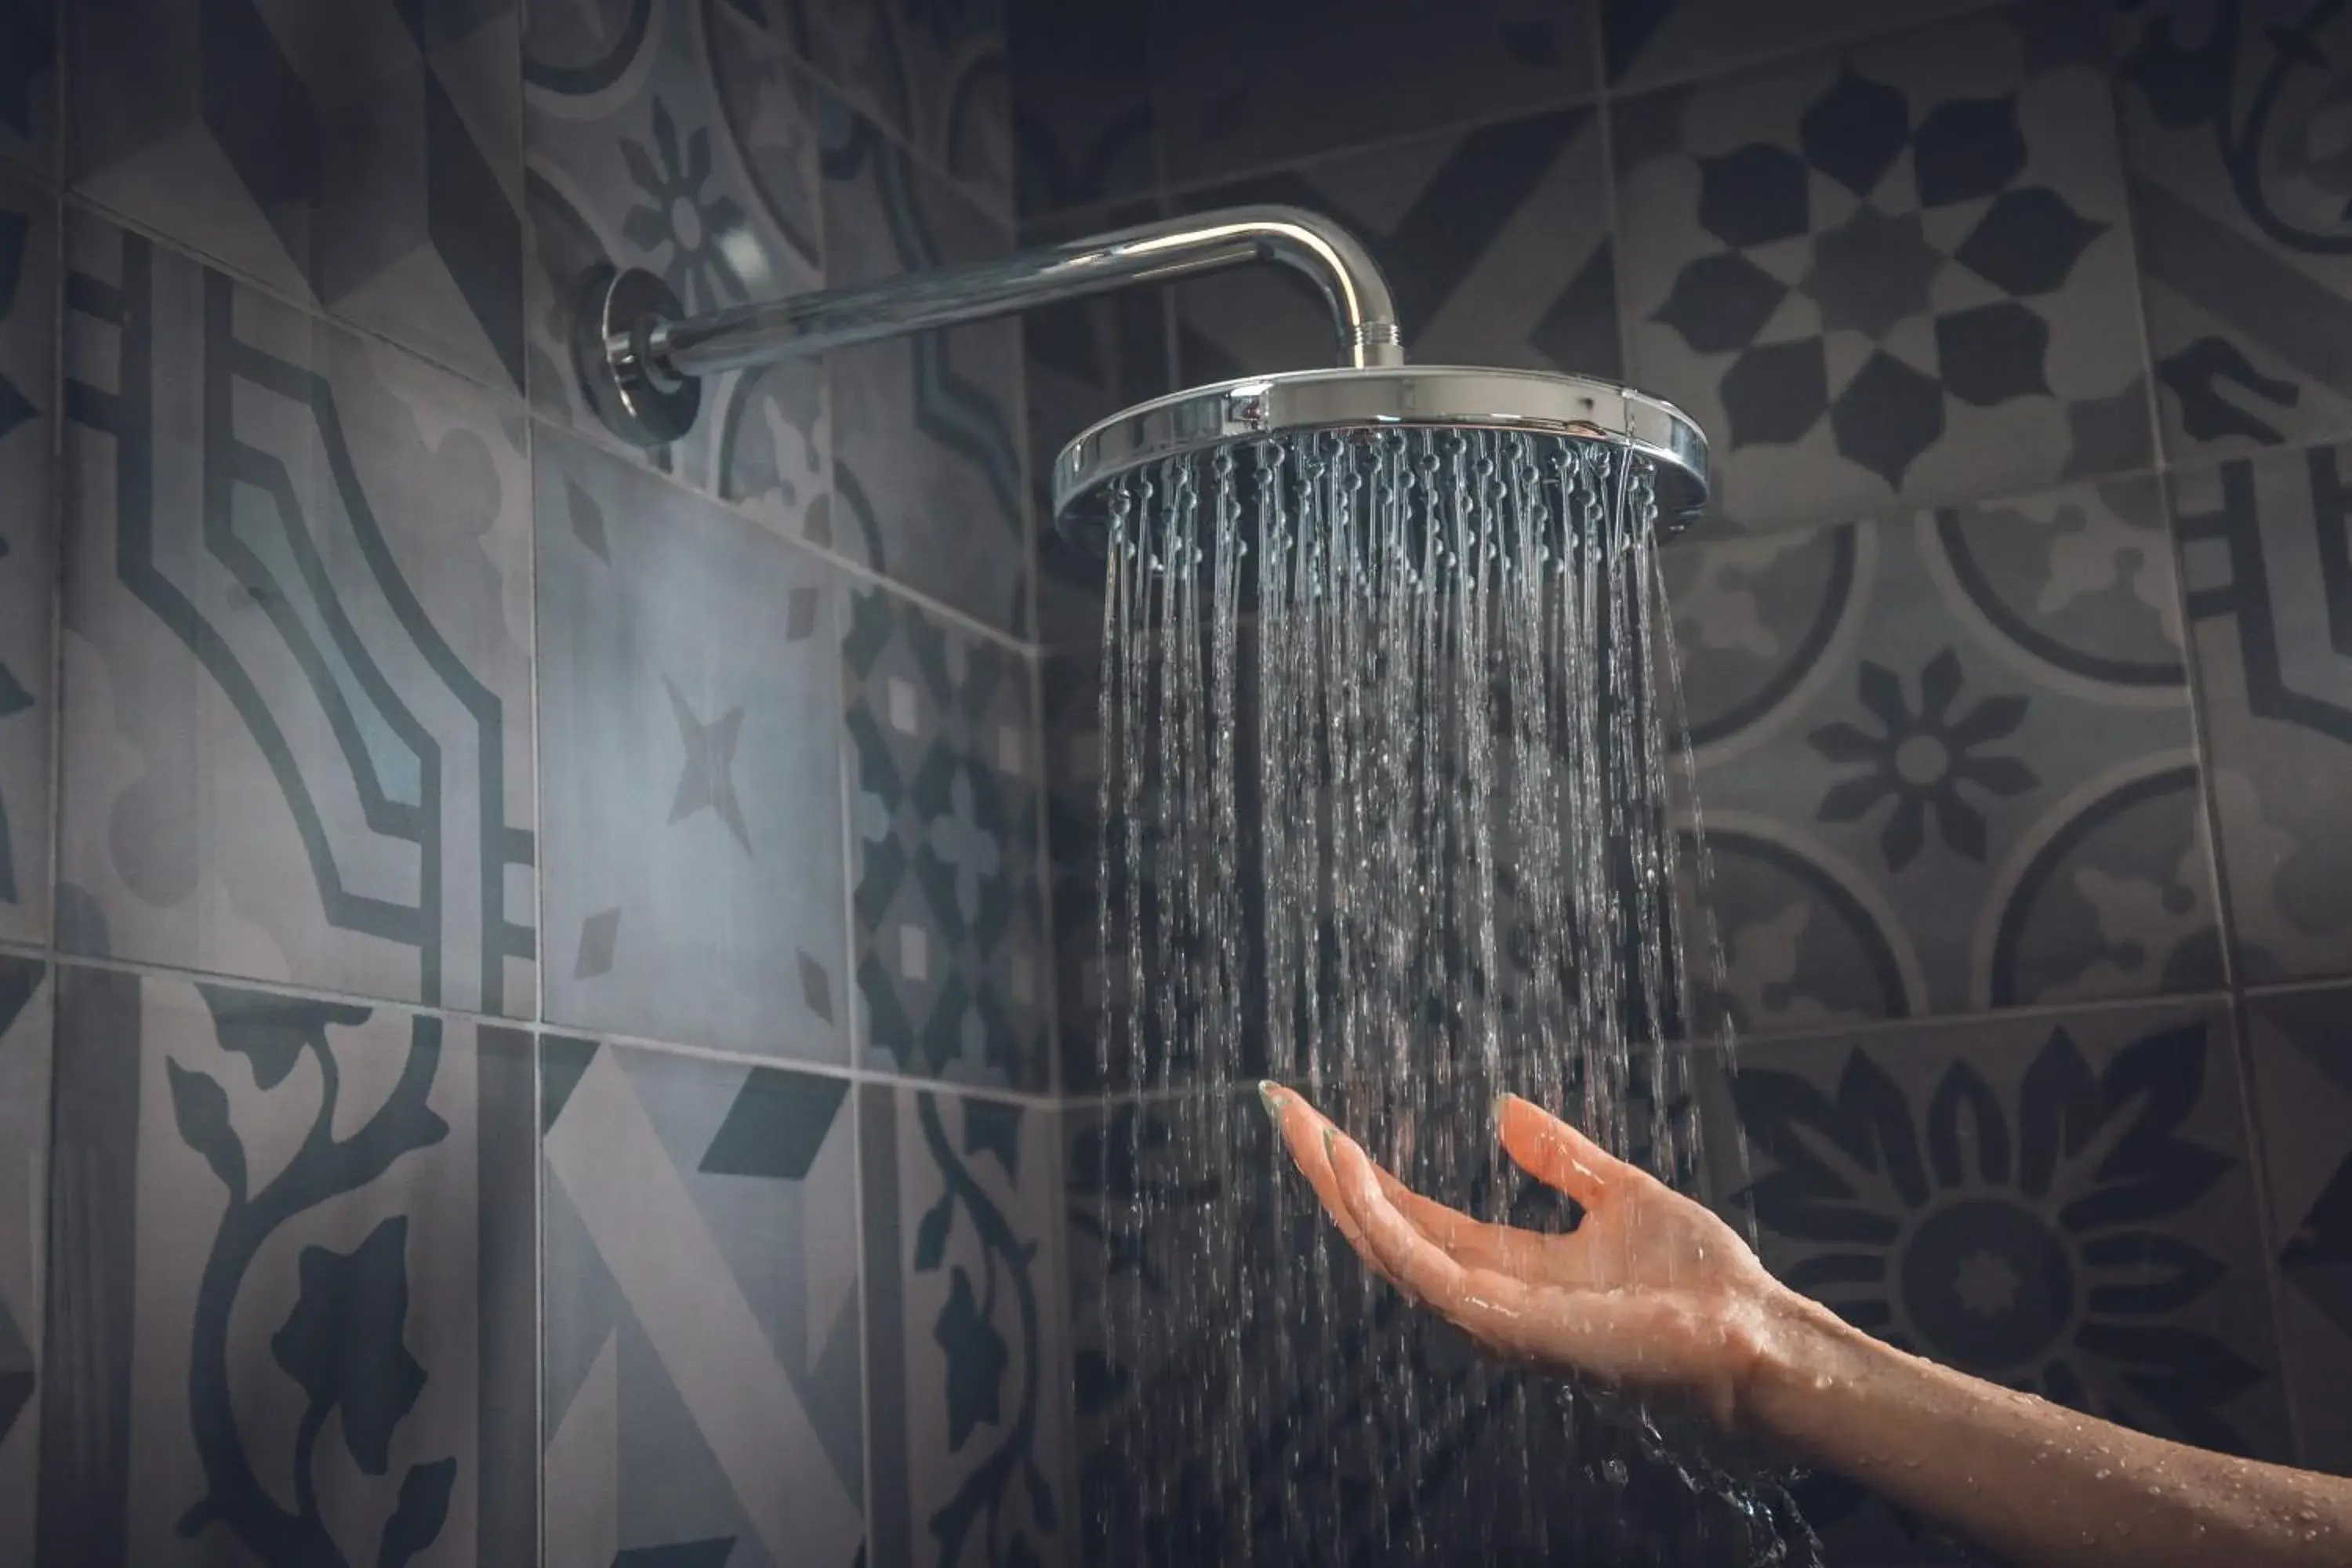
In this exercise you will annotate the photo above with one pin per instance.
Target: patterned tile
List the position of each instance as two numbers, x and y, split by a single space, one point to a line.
2267 558
702 1333
28 82
1082 361
2245 250
367 155
1899 273
1488 236
926 429
966 1372
690 744
680 136
1070 734
937 76
1082 125
25 1048
294 1237
2061 1207
950 900
1947 762
2302 1097
1239 86
29 359
298 726
1650 42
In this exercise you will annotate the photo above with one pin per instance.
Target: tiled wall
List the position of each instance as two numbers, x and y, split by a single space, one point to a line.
525 1015
2019 648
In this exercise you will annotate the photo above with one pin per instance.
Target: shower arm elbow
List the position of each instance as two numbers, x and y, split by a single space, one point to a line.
640 359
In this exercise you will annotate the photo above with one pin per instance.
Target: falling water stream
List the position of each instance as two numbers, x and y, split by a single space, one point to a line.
1388 794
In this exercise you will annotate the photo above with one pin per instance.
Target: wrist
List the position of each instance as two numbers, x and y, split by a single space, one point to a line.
1800 1353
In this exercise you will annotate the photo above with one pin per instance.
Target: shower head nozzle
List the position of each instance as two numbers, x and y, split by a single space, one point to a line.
1362 402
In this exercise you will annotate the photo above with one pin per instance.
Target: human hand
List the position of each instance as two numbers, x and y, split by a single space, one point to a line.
1651 1294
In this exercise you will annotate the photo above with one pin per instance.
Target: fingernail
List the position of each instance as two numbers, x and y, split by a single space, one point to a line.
1502 1102
1269 1094
1328 1134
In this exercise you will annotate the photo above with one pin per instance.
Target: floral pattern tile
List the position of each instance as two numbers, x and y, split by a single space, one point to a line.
365 157
691 749
298 634
24 1055
28 84
937 76
1650 42
948 894
1895 273
703 1328
2060 1206
1083 130
28 490
292 1285
680 136
1487 236
1947 762
1239 86
2239 219
967 1371
2303 1098
927 434
2266 560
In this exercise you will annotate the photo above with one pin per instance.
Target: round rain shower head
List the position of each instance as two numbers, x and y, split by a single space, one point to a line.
1364 403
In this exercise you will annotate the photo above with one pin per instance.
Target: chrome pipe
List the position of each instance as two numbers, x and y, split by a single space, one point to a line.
640 360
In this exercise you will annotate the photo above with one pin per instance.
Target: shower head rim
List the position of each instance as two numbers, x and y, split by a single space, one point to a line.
1418 396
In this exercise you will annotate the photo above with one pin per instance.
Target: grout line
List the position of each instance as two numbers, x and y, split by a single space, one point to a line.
855 1101
2298 987
539 1277
54 819
538 763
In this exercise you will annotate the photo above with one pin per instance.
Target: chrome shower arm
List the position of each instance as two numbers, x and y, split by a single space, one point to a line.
639 358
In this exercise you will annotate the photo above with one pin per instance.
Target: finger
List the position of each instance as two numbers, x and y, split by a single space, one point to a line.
1556 1154
1473 1242
1303 1129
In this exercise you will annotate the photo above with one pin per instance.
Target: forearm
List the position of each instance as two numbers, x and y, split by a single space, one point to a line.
2039 1484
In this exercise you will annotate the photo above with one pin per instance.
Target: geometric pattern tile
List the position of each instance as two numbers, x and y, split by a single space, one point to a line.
2061 1206
1070 689
690 736
927 484
701 1341
680 136
1488 238
967 1364
298 725
2301 1054
2245 247
25 1050
293 1283
944 805
1238 85
937 74
28 489
1653 42
2266 560
1897 273
1947 762
1082 126
365 157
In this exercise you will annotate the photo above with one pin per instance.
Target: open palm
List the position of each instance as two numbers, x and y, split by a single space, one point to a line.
1652 1294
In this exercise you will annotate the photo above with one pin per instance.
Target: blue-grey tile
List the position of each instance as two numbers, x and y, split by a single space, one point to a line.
1650 42
2065 1206
2263 554
298 634
1237 86
366 156
967 1361
1947 762
680 136
28 517
927 430
2302 1058
937 76
1899 273
1070 736
1082 125
1489 237
2245 252
24 1052
296 1239
28 82
702 1338
690 748
949 882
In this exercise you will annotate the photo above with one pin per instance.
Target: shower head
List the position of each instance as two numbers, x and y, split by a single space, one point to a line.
1358 404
